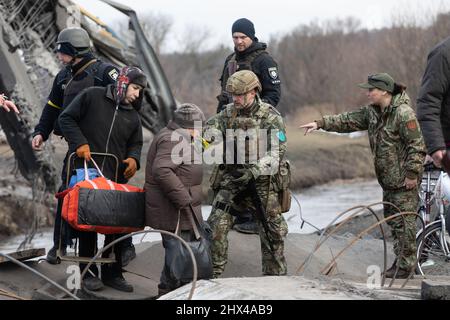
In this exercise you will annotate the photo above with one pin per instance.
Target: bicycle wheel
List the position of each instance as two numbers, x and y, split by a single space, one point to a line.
434 255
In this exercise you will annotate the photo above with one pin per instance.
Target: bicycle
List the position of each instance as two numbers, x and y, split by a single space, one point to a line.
433 244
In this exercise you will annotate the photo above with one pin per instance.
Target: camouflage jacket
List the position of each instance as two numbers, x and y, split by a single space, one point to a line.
259 120
395 139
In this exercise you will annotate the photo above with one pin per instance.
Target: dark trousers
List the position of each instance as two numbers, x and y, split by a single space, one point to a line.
88 248
166 281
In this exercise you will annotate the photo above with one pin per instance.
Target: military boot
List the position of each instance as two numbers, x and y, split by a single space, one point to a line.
401 273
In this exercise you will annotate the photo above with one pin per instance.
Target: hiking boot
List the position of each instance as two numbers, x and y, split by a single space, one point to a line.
92 283
128 254
401 273
52 257
118 283
249 227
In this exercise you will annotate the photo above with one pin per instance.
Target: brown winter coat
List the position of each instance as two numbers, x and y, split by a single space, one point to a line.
170 186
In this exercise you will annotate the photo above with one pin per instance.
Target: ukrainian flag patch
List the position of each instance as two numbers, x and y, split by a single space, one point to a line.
281 136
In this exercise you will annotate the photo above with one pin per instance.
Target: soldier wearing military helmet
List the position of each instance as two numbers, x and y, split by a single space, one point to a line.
74 42
398 151
230 180
243 82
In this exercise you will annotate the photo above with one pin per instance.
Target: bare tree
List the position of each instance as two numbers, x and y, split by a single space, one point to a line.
157 27
195 39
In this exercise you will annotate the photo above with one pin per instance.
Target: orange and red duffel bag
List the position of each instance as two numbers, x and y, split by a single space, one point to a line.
103 206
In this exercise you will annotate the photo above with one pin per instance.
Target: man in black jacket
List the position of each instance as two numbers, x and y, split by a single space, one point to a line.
81 70
106 120
250 54
433 103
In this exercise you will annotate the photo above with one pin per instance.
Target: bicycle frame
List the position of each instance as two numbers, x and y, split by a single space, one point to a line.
427 193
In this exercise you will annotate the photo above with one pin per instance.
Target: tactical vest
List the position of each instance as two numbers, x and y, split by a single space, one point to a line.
233 65
73 87
248 140
279 181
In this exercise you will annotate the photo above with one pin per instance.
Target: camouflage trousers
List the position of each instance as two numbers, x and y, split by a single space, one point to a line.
221 223
403 231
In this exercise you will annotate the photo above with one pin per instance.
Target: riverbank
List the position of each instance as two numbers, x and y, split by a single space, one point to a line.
322 157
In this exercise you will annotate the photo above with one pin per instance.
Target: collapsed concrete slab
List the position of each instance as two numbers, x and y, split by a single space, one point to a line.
289 288
436 288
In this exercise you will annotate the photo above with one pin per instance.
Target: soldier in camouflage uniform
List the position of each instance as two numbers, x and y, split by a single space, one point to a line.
399 151
248 115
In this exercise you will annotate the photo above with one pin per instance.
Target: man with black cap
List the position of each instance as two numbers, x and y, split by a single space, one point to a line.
81 70
250 54
106 120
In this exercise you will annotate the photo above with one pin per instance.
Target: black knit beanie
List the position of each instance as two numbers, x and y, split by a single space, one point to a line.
244 26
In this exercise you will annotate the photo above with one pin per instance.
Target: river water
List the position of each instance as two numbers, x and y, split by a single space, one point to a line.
319 206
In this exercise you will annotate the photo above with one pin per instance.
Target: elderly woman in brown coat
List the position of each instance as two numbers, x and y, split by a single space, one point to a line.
173 180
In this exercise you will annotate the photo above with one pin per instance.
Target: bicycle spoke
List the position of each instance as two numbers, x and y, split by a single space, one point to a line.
434 259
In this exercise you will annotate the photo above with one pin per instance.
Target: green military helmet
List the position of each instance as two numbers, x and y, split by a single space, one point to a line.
242 82
78 38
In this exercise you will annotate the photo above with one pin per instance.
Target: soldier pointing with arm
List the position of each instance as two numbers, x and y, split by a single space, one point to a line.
398 150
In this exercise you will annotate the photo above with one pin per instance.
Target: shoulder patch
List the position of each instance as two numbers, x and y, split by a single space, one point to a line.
411 125
273 72
113 74
281 136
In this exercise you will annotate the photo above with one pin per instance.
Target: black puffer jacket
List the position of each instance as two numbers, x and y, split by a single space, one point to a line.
88 119
433 103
